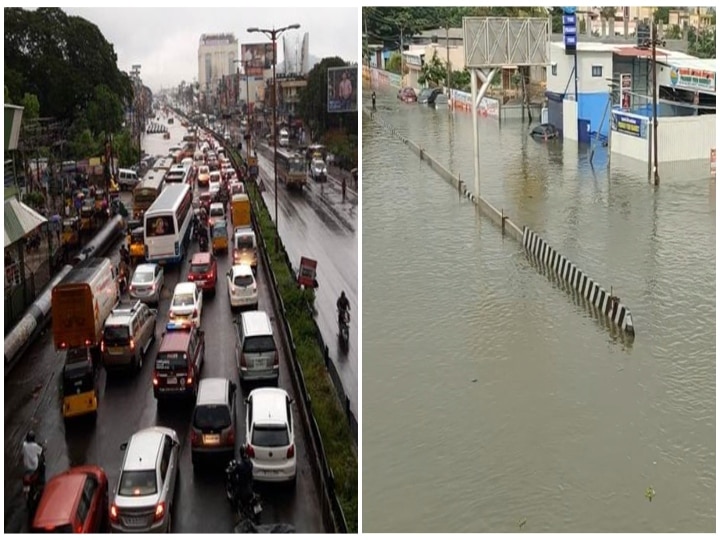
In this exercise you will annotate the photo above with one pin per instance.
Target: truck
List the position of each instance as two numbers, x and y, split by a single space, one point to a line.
81 302
240 205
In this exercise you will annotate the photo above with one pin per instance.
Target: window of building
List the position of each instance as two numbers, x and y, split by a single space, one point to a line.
597 71
554 70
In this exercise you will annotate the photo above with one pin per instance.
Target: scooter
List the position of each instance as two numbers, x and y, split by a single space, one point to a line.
344 326
34 484
248 509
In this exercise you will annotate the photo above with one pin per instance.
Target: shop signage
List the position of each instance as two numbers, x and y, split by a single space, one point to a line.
629 125
692 79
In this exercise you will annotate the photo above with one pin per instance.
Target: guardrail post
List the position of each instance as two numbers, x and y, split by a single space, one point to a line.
503 217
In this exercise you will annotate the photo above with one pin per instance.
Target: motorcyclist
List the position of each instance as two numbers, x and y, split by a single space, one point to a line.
33 456
244 476
124 255
343 306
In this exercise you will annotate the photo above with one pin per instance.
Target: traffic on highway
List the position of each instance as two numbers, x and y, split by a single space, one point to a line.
160 400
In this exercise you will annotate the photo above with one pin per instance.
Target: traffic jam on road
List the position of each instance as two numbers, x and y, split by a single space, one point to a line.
178 408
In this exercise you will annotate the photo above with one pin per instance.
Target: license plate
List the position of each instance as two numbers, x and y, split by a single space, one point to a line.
201 283
172 380
259 363
211 439
115 350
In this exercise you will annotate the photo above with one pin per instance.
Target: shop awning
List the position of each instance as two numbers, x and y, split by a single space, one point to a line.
20 220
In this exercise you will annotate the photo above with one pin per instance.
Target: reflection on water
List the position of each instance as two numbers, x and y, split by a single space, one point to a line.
491 395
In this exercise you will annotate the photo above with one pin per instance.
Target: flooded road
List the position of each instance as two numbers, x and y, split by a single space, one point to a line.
491 399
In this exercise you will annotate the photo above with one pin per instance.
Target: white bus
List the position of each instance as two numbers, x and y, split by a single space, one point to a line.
167 225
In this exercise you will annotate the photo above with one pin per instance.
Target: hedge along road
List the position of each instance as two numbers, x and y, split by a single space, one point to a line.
127 405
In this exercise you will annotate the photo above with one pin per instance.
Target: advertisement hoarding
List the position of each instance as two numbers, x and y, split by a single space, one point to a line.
629 125
257 57
342 89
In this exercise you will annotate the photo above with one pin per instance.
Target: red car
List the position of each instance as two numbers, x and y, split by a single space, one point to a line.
75 501
407 95
203 271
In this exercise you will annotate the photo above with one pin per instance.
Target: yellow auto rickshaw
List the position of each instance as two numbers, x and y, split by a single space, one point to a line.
136 243
219 236
71 232
79 384
87 214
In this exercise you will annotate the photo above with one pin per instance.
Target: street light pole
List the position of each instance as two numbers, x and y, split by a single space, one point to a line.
273 35
655 102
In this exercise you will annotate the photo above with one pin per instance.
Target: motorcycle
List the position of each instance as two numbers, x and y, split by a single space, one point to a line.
34 484
248 508
344 325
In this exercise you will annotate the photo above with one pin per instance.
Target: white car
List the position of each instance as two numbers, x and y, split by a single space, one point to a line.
270 435
186 303
217 211
147 283
242 287
144 496
215 180
203 174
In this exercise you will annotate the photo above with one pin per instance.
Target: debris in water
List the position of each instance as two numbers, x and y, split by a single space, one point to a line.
649 493
522 522
474 380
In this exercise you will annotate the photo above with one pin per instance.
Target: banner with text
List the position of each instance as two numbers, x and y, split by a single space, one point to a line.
700 80
342 89
629 124
488 106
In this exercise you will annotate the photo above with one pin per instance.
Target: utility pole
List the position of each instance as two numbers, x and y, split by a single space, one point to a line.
447 50
653 38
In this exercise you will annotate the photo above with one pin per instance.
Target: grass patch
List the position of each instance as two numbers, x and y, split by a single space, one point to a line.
327 410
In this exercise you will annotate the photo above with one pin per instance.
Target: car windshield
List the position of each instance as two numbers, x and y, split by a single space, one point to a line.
243 281
138 483
184 299
170 362
144 276
270 436
116 335
217 211
243 242
196 268
259 344
211 417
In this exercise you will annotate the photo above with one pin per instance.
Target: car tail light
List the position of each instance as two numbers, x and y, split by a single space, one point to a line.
243 361
152 287
189 380
79 529
277 360
250 451
194 437
63 345
132 344
88 342
231 436
155 380
194 312
191 277
114 515
102 346
132 287
159 511
291 451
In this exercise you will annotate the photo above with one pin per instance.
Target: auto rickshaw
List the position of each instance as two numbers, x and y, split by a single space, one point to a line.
87 214
219 236
114 190
136 243
71 232
79 384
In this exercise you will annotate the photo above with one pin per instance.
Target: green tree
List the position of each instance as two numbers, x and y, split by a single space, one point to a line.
31 105
60 59
312 104
104 111
460 80
674 32
433 72
394 62
662 14
701 43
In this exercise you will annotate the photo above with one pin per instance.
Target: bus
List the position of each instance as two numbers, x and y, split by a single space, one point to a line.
147 191
167 225
178 174
291 168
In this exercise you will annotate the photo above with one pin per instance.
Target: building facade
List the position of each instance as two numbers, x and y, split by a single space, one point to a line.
216 58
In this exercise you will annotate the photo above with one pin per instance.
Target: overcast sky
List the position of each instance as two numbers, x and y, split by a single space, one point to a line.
164 41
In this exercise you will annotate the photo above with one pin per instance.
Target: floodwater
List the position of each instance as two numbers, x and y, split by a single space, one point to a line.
494 401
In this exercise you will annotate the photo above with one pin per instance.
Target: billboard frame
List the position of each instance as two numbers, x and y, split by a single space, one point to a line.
334 78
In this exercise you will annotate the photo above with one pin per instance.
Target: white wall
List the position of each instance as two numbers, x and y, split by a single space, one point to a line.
587 84
683 138
570 123
629 146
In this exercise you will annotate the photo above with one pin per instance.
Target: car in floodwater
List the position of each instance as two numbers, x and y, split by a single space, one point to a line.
407 95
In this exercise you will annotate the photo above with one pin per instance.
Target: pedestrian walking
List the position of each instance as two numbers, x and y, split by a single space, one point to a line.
373 100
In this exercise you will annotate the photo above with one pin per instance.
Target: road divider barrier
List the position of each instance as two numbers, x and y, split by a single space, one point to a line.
609 304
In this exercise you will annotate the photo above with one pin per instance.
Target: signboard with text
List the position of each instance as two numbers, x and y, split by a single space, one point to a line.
342 89
625 90
701 80
629 125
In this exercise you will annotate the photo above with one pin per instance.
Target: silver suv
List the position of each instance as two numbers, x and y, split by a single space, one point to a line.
143 499
127 335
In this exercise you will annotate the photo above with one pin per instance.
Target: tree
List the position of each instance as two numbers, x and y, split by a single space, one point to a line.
312 104
662 14
460 80
104 111
433 72
701 43
394 62
31 105
674 32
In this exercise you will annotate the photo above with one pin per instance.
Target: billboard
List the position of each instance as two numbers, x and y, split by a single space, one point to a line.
342 89
257 57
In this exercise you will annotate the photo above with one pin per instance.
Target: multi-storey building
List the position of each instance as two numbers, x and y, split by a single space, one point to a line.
216 58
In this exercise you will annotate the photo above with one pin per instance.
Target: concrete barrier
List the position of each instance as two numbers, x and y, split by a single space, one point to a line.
608 304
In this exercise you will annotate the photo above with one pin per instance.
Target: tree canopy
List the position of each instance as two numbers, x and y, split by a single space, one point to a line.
61 59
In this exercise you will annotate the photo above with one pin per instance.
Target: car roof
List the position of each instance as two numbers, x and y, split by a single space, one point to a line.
212 390
143 448
256 323
217 205
146 267
202 257
241 270
184 287
174 341
269 406
59 499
